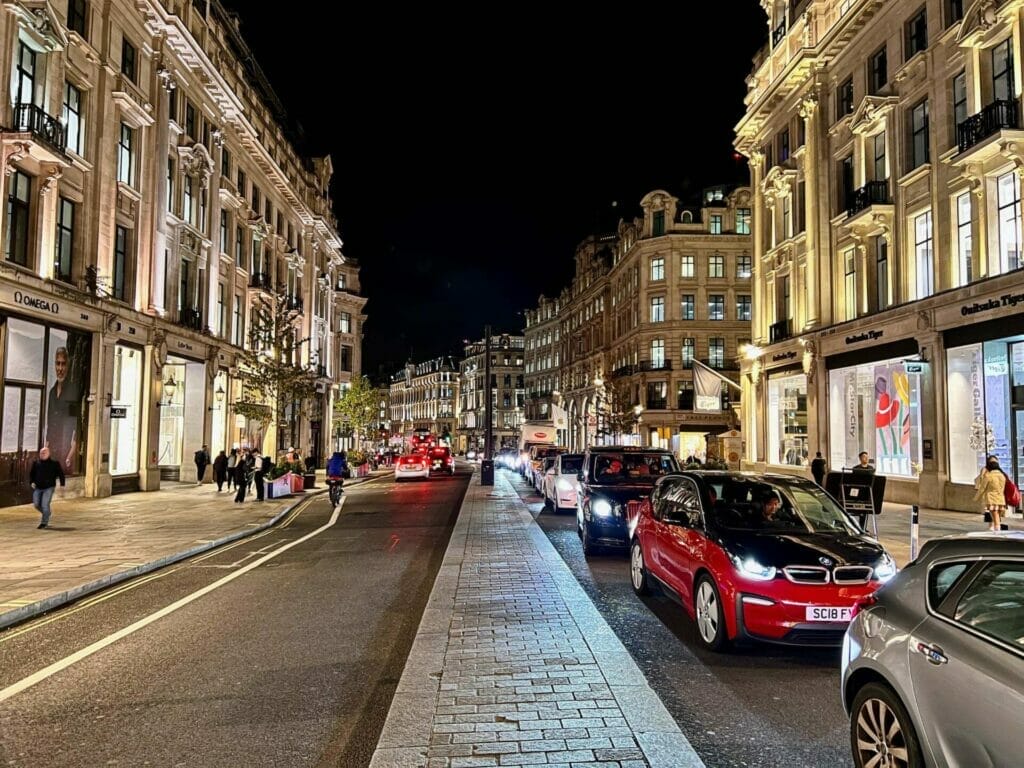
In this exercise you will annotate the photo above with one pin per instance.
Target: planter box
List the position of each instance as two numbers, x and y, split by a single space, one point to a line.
280 487
296 482
361 471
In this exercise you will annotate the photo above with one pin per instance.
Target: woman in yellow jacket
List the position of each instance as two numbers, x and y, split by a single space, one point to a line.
990 484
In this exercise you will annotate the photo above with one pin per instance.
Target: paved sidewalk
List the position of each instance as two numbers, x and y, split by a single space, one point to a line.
513 665
93 543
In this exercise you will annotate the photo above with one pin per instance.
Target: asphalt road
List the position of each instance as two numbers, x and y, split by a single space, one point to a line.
292 663
758 705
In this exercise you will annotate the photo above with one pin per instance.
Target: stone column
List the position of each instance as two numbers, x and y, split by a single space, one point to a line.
811 201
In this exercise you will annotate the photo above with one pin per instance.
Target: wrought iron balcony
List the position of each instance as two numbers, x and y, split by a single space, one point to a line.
32 119
294 302
657 404
626 370
260 280
992 119
191 318
779 33
652 365
872 193
780 330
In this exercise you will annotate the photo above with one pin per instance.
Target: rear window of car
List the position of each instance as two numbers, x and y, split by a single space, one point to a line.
572 465
631 468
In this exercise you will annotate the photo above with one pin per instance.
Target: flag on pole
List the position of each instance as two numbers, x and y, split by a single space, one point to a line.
707 389
559 417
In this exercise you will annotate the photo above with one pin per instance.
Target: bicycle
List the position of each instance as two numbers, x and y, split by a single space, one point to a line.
334 484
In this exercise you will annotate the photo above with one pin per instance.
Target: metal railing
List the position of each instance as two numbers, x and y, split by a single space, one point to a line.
779 33
657 404
260 280
190 318
780 330
992 119
294 302
652 365
34 120
872 193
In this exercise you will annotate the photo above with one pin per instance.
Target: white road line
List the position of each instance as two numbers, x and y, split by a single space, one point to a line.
57 666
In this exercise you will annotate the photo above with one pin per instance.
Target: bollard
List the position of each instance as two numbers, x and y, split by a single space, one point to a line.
487 472
914 516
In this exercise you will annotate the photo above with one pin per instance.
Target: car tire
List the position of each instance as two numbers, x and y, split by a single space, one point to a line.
879 718
638 576
589 548
710 618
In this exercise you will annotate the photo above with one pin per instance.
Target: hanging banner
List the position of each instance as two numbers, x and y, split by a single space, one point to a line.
707 390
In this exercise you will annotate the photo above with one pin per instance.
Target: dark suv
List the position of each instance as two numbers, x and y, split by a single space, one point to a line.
611 477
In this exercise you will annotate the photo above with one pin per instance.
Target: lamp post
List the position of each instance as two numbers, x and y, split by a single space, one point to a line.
637 418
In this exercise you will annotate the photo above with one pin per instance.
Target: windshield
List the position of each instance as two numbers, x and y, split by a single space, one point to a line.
632 468
571 465
759 504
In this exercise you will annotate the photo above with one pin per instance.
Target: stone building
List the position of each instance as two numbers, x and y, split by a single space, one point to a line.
425 396
508 397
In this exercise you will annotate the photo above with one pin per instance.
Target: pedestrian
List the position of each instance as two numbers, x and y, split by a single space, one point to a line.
263 469
43 476
818 469
864 465
990 488
202 459
220 470
241 468
232 461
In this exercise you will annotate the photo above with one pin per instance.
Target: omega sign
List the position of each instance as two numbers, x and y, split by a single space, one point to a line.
36 303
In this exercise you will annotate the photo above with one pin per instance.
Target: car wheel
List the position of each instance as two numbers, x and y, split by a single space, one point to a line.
881 733
589 548
637 571
707 607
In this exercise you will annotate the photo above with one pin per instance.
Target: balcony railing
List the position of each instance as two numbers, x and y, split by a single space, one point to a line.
992 119
190 318
259 280
872 193
778 33
32 119
657 404
655 365
780 330
720 365
625 370
294 302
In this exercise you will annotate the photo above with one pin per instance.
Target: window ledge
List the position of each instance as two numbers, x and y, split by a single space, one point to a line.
915 175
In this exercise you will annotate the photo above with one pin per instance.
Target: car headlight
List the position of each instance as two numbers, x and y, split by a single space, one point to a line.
752 569
601 508
885 568
564 485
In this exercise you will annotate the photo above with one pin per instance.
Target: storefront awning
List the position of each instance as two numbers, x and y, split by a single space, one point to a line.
901 348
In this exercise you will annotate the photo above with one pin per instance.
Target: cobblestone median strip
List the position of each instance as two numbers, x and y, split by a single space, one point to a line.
513 665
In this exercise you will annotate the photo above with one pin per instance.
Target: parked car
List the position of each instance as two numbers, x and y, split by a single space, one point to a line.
764 557
933 664
611 477
561 482
441 460
412 465
535 465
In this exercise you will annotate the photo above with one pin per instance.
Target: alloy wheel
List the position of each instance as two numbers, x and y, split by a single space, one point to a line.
881 742
707 612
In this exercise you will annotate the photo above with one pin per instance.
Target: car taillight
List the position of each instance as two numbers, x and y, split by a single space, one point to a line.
862 604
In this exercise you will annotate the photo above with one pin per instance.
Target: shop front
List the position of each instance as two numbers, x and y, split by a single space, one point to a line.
126 418
182 417
786 427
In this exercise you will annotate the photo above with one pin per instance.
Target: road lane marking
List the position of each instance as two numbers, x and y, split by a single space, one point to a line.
58 666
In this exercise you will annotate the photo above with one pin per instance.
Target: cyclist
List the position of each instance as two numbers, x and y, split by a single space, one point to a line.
336 468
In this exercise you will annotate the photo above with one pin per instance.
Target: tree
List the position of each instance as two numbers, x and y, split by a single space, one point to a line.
276 386
357 408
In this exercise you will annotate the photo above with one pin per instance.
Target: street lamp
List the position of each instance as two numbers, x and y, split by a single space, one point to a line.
637 418
218 395
170 386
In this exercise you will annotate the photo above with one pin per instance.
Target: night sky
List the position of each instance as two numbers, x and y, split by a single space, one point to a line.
469 164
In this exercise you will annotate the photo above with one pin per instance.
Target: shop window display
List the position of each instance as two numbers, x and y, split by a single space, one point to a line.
787 420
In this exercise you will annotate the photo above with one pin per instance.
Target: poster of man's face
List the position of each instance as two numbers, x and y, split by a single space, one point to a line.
66 377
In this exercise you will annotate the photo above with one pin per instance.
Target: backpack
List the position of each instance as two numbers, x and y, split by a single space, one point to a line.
1011 494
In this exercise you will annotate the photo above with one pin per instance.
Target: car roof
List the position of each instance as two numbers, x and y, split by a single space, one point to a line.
974 544
625 449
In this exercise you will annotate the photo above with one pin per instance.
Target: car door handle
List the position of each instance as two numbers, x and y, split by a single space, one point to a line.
933 653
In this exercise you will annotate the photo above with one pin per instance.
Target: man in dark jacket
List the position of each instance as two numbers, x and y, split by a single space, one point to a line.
220 470
44 475
241 476
202 459
262 469
818 467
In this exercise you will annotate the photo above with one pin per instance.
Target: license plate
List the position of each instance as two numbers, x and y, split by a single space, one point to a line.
825 613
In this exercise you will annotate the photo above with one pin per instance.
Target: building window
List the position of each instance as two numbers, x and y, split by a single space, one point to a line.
658 268
850 283
881 273
846 177
684 398
188 207
784 145
239 249
225 163
25 75
716 307
1008 186
238 324
345 322
963 237
127 59
223 231
688 268
787 420
689 351
658 224
959 100
240 182
78 13
923 254
844 99
71 113
787 217
65 240
784 307
919 150
171 173
716 352
716 265
954 11
743 308
657 354
743 266
125 156
1002 71
878 71
716 224
255 198
346 358
687 307
120 269
917 33
222 311
879 157
190 120
19 202
742 221
658 309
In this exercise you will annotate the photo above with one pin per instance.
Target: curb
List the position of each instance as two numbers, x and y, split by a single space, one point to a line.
26 612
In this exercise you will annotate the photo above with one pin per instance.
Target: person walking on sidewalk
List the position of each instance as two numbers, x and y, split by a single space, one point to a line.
232 461
202 461
257 474
220 470
818 469
43 475
990 489
241 469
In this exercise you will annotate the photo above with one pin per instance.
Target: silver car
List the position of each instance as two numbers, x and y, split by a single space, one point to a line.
933 663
